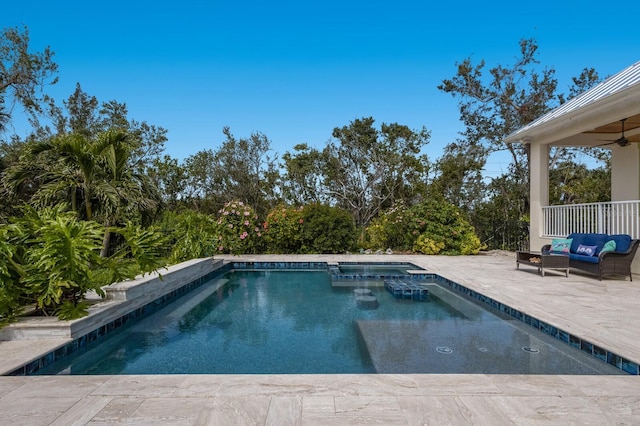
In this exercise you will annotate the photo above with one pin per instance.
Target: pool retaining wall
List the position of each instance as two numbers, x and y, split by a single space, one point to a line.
121 298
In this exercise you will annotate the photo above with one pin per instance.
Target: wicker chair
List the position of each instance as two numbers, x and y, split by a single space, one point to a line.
609 263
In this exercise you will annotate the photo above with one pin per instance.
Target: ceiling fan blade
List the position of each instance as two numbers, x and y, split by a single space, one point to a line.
622 141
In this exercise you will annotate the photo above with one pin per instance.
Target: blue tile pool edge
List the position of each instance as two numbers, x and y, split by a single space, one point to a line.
589 348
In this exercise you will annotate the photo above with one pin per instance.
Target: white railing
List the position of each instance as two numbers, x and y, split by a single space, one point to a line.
618 217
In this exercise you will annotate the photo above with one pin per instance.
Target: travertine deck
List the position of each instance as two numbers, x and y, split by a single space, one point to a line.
604 312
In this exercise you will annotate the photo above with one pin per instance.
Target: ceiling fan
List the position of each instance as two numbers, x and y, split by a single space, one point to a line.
622 141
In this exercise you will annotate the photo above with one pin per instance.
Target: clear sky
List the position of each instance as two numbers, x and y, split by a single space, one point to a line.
294 70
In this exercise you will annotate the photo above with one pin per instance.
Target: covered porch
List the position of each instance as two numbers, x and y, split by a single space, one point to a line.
594 118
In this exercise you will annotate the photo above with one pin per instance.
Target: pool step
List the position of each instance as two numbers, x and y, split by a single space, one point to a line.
404 289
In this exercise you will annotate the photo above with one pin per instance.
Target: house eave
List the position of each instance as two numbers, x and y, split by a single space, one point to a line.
609 109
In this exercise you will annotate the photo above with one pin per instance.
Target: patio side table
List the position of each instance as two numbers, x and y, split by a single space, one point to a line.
542 261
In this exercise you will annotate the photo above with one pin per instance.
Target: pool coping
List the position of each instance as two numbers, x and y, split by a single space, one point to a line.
135 298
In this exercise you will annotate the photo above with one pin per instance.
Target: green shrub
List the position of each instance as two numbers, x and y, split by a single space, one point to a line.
431 227
11 300
193 235
283 230
327 229
392 229
426 245
237 229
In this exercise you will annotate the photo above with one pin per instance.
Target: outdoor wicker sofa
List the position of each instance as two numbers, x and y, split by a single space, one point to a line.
601 263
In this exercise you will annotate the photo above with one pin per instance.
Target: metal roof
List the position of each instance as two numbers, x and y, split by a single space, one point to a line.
613 85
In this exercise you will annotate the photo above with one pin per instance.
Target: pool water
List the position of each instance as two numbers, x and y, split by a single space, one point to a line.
295 322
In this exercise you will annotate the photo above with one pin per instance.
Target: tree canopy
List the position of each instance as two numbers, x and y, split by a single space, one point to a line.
23 75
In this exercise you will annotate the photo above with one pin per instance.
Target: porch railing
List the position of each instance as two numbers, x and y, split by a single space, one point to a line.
617 217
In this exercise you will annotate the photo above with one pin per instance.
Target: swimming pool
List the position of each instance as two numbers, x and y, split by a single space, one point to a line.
296 322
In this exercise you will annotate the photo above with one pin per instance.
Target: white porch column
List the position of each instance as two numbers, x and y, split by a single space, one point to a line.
538 192
625 172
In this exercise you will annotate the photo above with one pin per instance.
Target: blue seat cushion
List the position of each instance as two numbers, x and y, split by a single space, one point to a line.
623 242
583 258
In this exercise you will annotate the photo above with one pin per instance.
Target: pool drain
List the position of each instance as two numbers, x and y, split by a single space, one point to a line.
530 350
444 350
483 349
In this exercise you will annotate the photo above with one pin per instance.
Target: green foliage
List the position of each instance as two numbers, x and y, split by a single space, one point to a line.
302 182
69 310
427 245
327 229
237 230
442 222
49 259
56 263
283 230
392 230
572 183
10 300
458 175
432 227
193 234
314 228
145 246
142 252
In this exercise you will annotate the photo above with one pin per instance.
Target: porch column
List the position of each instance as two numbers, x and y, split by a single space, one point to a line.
538 192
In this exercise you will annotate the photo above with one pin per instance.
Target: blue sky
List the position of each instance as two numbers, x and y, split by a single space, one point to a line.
296 70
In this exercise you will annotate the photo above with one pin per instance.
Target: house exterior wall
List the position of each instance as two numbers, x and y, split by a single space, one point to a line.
625 173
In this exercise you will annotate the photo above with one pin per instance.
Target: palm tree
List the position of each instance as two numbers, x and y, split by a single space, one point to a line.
93 176
123 192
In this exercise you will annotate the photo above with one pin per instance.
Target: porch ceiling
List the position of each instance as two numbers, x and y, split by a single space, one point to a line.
613 129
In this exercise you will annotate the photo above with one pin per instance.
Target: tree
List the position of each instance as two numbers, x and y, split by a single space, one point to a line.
459 177
244 170
9 155
22 75
170 178
84 115
200 189
365 170
571 183
302 180
493 108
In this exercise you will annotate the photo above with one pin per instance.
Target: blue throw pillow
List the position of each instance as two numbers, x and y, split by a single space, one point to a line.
561 245
586 250
609 246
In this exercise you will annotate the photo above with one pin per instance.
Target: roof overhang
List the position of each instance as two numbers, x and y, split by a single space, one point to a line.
592 117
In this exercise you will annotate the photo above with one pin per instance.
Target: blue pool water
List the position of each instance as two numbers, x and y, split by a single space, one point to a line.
296 322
